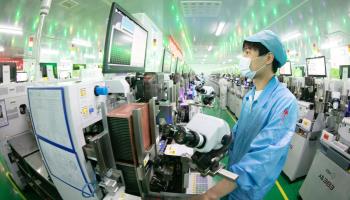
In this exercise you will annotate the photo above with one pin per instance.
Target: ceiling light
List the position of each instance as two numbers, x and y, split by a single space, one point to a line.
2 49
12 30
220 28
194 38
229 60
291 36
210 48
80 42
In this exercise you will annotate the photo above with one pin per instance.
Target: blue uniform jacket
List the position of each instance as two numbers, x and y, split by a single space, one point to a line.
261 139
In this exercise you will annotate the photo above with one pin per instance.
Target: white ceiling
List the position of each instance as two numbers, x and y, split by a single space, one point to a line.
316 20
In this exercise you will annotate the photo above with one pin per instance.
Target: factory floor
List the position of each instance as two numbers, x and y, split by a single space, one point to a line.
282 190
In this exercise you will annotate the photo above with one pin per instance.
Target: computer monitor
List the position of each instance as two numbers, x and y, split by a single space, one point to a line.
179 68
174 64
76 69
5 74
316 67
79 66
286 69
167 57
126 43
299 71
344 71
49 69
22 77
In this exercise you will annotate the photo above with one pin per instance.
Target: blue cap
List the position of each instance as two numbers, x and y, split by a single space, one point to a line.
272 42
101 90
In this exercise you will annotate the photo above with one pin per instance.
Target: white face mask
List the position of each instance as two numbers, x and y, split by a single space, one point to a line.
244 66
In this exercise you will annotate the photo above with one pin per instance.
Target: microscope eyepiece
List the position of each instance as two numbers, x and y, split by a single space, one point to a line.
189 138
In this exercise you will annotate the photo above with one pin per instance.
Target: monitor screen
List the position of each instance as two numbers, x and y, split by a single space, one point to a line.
286 69
173 64
167 57
22 77
344 71
299 71
126 43
52 69
316 66
79 66
8 75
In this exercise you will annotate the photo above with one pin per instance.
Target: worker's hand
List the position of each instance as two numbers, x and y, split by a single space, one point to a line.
201 197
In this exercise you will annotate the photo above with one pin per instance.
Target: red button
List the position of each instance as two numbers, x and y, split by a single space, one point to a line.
325 136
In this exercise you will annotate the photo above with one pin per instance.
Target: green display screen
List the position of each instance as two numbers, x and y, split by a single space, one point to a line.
43 69
299 71
121 48
79 66
167 62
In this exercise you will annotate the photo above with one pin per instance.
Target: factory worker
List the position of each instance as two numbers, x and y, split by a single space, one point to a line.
262 135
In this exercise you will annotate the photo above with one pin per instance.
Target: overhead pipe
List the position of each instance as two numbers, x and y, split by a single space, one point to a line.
44 11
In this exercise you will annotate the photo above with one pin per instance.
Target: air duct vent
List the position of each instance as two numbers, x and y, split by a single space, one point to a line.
201 8
69 4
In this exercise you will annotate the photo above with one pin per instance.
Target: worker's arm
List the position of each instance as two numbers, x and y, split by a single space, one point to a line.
220 190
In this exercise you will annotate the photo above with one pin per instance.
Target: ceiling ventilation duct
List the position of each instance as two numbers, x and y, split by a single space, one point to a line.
69 4
201 8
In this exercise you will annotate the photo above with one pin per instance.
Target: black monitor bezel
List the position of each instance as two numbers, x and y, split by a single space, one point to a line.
13 65
55 69
325 67
119 68
341 71
165 50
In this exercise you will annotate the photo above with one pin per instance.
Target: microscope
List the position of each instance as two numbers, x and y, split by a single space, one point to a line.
207 94
209 137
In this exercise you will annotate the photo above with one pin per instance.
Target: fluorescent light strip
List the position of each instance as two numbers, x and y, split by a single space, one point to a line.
291 36
210 48
12 30
220 28
80 42
2 49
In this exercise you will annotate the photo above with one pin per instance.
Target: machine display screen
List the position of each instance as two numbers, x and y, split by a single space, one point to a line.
79 66
344 71
126 43
8 74
299 71
22 76
316 66
167 62
173 64
49 69
286 69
